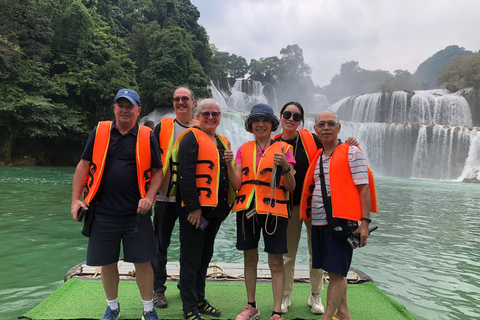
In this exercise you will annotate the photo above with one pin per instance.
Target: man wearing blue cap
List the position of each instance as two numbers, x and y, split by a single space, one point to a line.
120 172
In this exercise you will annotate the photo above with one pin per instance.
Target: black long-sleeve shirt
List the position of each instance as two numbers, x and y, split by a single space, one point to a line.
187 187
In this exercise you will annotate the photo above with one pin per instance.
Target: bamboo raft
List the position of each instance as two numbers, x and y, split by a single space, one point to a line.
215 272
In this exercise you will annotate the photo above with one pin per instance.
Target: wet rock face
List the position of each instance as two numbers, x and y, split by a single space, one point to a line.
471 180
473 98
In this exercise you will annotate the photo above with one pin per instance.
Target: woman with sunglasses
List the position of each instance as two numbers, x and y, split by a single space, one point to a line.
305 144
263 176
203 201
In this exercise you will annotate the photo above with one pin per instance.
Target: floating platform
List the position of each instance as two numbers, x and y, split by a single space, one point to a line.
215 272
79 298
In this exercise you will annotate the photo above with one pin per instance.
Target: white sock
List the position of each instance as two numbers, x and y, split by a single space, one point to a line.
113 304
147 305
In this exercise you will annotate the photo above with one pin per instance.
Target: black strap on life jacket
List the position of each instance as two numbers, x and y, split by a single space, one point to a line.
240 198
209 162
272 201
208 190
207 176
261 183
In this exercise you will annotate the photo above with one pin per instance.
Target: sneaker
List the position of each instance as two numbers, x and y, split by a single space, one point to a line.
206 308
159 300
192 315
111 314
276 317
249 313
285 304
315 301
150 315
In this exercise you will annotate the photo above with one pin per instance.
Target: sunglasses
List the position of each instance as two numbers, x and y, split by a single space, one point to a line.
296 116
184 99
206 114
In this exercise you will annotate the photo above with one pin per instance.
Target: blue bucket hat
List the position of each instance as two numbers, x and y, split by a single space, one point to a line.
261 110
129 94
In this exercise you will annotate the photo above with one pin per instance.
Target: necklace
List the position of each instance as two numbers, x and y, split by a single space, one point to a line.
262 150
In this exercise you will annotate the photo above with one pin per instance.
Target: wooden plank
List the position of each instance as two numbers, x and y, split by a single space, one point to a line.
229 271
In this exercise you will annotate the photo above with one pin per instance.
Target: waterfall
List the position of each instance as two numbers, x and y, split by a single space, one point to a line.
415 134
426 107
419 134
245 94
318 103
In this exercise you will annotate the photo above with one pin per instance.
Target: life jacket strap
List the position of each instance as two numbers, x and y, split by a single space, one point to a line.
208 190
207 176
272 201
209 162
261 183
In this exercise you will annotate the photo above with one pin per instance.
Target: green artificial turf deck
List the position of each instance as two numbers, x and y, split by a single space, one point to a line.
85 299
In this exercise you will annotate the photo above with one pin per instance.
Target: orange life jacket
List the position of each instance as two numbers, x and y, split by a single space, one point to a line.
308 142
100 148
346 202
256 182
166 140
207 173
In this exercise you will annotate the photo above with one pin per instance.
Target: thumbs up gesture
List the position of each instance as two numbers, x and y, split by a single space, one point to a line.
228 154
280 159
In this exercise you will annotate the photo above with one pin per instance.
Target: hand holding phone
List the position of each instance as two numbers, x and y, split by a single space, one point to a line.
354 239
81 214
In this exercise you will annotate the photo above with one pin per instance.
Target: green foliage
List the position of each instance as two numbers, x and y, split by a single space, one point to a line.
265 69
62 61
429 70
227 66
461 72
290 75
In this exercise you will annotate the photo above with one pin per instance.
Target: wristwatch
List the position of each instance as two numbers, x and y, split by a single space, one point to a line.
367 220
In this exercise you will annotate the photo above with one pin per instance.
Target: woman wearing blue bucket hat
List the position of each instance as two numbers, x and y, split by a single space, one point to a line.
263 176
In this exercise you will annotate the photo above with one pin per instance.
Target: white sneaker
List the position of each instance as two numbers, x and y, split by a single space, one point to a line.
315 301
285 304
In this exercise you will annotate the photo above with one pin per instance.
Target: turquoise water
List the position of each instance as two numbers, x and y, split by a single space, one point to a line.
424 254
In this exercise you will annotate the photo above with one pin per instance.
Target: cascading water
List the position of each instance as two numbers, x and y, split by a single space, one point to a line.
246 94
420 134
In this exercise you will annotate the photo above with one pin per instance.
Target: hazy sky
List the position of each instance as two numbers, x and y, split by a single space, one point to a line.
379 34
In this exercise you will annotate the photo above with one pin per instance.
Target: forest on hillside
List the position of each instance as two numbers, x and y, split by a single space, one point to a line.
62 61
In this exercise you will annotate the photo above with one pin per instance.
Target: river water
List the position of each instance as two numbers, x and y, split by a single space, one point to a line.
424 254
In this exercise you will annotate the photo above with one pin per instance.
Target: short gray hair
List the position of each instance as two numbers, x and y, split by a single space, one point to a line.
189 90
337 119
203 103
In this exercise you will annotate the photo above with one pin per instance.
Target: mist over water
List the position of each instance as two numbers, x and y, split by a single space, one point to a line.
414 134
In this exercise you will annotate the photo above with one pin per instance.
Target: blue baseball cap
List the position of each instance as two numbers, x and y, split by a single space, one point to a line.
129 94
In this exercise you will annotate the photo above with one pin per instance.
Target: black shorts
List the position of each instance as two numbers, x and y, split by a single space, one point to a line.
248 232
135 232
330 253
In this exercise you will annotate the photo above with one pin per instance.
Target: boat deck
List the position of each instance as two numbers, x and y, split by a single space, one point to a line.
216 271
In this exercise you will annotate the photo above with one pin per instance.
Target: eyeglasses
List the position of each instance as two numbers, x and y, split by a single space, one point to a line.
261 120
184 99
206 114
296 116
322 124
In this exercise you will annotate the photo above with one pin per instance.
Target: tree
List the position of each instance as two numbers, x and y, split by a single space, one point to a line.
264 69
171 64
429 70
461 72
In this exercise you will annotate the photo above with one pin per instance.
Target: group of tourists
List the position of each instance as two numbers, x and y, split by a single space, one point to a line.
185 170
